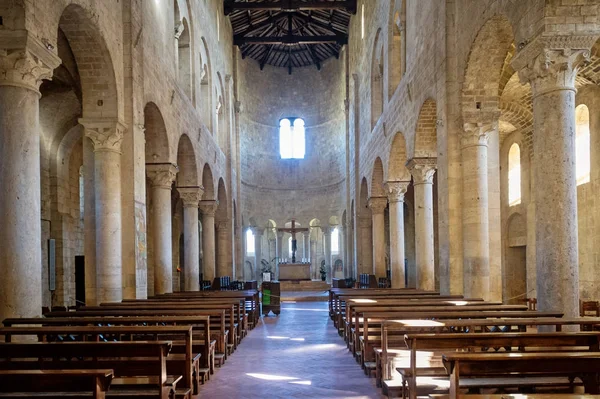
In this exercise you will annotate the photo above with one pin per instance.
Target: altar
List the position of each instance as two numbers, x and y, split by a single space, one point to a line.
294 271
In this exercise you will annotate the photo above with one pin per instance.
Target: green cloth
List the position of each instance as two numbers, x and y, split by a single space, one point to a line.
266 297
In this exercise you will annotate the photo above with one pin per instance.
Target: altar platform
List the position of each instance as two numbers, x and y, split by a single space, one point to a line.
294 271
304 286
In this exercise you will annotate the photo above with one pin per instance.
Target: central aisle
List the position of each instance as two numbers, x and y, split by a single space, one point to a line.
295 355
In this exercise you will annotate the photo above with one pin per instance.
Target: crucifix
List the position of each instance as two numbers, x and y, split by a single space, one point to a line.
293 230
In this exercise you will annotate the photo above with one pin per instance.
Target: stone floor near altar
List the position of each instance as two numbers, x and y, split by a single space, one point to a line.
295 355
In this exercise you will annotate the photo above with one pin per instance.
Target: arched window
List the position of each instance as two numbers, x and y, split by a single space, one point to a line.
377 80
292 144
362 21
582 144
250 244
335 241
290 247
514 175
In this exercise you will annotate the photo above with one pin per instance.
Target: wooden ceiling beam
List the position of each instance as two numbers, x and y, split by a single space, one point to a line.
289 40
291 5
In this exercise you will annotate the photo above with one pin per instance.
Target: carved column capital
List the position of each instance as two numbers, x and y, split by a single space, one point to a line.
24 60
190 196
377 204
161 175
422 169
327 230
106 134
477 133
396 190
257 231
209 207
222 225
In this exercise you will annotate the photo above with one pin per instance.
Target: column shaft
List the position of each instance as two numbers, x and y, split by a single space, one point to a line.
328 265
191 247
223 267
396 192
377 205
163 249
89 222
256 273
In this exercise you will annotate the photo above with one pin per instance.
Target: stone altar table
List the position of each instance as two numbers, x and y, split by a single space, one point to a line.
294 271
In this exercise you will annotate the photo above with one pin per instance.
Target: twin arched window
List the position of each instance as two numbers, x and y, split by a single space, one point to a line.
292 144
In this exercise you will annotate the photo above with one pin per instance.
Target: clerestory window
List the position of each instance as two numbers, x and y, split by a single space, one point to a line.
292 143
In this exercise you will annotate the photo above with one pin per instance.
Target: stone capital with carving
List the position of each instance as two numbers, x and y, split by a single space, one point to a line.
477 134
396 190
222 225
24 60
327 230
106 134
161 175
190 196
422 169
257 231
179 28
279 235
377 204
208 207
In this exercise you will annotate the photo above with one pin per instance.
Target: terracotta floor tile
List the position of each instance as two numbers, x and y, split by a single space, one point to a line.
296 355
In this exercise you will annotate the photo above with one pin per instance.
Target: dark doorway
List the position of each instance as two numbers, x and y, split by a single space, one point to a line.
80 280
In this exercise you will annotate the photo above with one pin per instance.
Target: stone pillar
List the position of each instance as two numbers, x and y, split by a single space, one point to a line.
258 233
422 171
279 253
342 248
223 268
314 260
106 136
350 248
377 206
191 196
306 242
208 209
396 191
20 207
162 177
89 223
366 245
551 74
476 243
327 237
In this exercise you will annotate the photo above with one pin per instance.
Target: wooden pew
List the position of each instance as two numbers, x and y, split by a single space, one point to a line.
140 366
521 342
186 363
77 384
217 318
585 365
200 328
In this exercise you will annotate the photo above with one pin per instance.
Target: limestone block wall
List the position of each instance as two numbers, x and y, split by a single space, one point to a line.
279 189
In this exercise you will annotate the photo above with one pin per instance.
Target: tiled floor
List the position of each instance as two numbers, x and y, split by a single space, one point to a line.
295 355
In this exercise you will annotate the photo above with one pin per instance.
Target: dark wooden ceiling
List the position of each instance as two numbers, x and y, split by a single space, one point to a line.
290 33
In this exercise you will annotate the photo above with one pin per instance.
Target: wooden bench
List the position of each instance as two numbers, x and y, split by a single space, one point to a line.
584 365
486 341
184 362
55 384
140 367
200 328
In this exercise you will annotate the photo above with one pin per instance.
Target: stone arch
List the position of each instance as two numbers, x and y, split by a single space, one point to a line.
396 45
157 139
221 111
206 86
94 63
426 133
377 180
184 57
377 71
483 75
397 170
208 183
186 161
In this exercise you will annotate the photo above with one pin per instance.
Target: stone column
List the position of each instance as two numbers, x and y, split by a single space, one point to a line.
551 74
306 242
327 237
396 191
89 222
342 248
314 260
476 243
20 207
279 253
162 177
377 206
350 248
366 245
422 171
223 268
106 136
208 209
258 233
191 196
